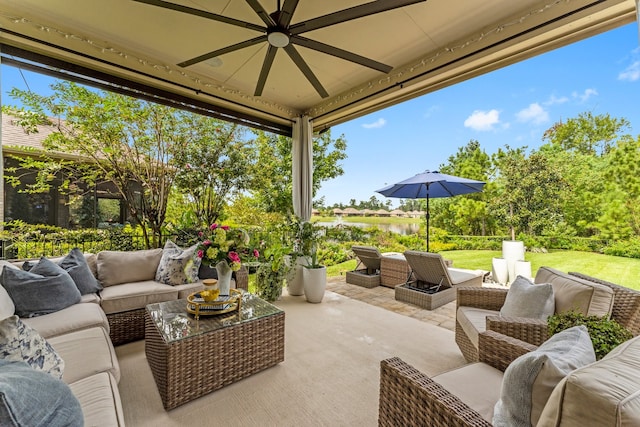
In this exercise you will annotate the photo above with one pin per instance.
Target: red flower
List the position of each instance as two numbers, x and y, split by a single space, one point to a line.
213 226
234 257
200 253
207 242
225 227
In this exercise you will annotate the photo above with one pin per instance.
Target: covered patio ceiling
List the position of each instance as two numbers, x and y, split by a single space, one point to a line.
187 53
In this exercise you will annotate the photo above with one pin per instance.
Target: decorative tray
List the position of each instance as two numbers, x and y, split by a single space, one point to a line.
197 306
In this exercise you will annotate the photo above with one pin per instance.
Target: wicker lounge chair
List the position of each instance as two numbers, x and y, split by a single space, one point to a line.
431 283
368 257
481 307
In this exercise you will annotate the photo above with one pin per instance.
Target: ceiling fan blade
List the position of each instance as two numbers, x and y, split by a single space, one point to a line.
222 51
340 53
257 8
203 14
266 67
297 59
349 14
287 12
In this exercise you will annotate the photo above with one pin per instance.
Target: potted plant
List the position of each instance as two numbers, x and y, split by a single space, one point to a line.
302 237
272 272
314 273
606 334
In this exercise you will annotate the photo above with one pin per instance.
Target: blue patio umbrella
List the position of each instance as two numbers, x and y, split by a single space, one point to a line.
428 185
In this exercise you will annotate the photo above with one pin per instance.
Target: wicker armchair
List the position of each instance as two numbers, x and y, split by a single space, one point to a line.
625 310
408 397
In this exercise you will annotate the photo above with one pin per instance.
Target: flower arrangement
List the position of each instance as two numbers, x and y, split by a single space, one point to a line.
223 243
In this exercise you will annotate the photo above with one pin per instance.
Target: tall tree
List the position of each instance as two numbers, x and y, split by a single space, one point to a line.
214 166
130 142
272 180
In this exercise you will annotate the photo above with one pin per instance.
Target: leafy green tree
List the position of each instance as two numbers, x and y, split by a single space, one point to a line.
587 134
271 183
214 166
129 142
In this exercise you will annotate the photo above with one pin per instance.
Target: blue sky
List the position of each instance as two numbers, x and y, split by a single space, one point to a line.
512 106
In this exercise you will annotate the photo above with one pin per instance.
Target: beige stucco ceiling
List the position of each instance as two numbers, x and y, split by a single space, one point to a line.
429 45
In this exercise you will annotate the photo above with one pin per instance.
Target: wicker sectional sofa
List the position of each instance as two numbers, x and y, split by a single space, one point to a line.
84 334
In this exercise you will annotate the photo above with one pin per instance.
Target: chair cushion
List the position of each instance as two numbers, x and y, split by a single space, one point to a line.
86 352
70 319
117 267
100 400
476 384
132 296
473 321
530 379
76 265
46 288
605 393
178 266
572 293
33 398
525 299
19 342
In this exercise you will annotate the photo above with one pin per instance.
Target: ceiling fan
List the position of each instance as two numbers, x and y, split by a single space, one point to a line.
279 33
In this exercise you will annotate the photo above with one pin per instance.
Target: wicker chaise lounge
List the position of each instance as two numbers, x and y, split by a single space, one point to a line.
431 283
369 257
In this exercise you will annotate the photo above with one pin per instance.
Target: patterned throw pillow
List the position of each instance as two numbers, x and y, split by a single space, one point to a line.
178 266
19 342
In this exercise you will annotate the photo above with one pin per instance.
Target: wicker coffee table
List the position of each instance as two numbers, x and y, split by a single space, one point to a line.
190 358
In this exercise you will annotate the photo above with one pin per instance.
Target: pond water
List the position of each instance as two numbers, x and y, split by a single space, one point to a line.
403 229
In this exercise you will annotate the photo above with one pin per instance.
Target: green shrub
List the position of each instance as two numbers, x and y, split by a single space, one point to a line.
606 334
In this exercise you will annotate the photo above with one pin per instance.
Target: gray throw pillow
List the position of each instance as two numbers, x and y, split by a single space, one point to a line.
178 266
33 398
76 265
529 380
526 299
45 289
19 342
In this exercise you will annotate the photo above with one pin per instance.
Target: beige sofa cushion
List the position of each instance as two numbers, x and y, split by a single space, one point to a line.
117 267
474 321
604 393
86 353
74 318
132 296
476 384
100 400
572 293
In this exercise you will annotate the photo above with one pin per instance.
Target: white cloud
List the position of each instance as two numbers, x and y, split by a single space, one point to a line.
584 96
482 120
554 100
534 113
377 124
631 73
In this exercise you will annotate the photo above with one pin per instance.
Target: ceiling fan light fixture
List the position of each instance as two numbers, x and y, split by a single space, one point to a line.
278 39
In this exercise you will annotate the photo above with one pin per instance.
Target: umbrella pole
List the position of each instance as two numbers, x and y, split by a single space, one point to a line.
427 215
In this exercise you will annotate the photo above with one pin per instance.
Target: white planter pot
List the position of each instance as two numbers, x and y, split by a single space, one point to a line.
315 283
500 270
295 281
512 251
522 268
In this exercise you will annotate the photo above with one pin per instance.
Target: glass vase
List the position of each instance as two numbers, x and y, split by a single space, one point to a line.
224 277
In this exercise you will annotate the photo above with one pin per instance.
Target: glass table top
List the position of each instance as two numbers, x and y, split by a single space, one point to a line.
174 323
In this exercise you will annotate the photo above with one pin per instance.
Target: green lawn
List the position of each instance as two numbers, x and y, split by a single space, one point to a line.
619 270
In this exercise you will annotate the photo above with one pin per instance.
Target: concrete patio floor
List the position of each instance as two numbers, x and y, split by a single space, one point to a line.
384 297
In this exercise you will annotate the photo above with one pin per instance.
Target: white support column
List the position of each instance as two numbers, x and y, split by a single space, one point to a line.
302 168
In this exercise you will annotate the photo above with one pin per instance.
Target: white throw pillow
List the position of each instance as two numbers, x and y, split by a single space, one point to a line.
526 299
529 380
